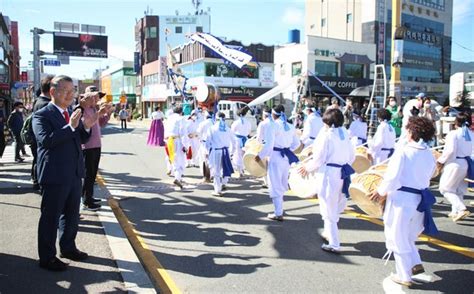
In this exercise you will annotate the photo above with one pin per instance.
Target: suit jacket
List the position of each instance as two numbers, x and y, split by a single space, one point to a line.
60 158
15 122
40 102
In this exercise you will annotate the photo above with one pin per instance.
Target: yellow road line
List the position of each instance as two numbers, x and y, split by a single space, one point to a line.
440 243
455 248
157 272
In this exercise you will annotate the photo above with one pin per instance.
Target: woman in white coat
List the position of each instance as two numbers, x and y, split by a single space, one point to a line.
457 162
408 199
383 144
333 155
241 128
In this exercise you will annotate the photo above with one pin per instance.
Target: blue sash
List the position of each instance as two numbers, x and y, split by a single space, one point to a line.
346 172
390 153
427 200
242 140
365 141
227 169
312 138
288 153
470 169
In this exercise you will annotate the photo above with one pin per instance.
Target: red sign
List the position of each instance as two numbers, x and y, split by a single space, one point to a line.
4 86
24 76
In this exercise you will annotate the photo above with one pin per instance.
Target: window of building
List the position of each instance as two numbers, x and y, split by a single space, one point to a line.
296 68
199 29
354 70
323 22
178 30
349 18
150 32
326 68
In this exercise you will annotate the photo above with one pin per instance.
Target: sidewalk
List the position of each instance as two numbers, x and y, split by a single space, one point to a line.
111 267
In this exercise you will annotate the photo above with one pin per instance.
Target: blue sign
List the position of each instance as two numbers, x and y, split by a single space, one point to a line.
136 61
51 62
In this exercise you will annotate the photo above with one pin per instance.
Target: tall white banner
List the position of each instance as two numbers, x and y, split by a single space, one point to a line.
236 57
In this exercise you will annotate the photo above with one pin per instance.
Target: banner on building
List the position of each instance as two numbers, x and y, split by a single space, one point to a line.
82 45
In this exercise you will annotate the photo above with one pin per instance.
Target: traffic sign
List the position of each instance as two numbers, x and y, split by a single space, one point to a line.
51 62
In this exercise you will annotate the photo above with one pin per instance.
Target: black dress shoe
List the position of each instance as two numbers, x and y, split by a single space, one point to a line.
54 265
76 255
96 200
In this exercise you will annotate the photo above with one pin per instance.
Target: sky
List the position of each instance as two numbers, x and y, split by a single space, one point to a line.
250 21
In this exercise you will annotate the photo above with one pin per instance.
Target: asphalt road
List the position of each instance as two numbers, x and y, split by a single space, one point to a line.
19 270
209 244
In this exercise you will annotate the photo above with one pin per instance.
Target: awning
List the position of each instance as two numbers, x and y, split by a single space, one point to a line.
354 58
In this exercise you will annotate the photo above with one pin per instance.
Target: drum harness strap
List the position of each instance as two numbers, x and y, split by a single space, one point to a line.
365 141
242 140
390 153
312 138
470 168
346 172
292 158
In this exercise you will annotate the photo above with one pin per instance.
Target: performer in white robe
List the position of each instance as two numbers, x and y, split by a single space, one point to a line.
408 199
220 143
193 137
177 144
241 128
312 125
264 128
456 160
333 155
202 131
169 167
280 141
383 144
358 130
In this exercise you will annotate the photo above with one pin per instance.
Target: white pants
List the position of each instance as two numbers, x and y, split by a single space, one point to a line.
331 203
219 182
277 177
179 161
452 184
237 159
403 224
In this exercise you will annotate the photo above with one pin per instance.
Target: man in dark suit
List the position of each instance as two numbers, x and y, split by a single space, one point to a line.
41 101
60 168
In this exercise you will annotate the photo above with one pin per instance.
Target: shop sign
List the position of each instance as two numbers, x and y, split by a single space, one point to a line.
423 37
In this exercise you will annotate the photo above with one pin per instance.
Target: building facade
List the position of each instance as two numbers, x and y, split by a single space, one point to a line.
342 65
153 36
427 36
245 84
120 82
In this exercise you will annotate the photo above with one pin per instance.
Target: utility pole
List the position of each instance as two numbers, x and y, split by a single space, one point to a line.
395 85
36 57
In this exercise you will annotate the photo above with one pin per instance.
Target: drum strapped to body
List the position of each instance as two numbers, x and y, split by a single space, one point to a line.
256 169
306 153
362 161
362 186
302 186
438 169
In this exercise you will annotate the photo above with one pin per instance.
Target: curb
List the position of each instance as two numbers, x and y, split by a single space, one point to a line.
157 273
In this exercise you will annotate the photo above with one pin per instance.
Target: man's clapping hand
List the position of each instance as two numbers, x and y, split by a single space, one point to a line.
75 118
90 120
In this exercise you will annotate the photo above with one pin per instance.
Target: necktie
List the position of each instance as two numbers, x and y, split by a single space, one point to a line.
66 116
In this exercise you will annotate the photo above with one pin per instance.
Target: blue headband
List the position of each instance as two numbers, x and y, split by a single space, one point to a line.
283 119
222 126
465 132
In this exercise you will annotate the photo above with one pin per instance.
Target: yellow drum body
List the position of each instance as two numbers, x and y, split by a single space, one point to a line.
361 162
257 169
305 187
361 187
